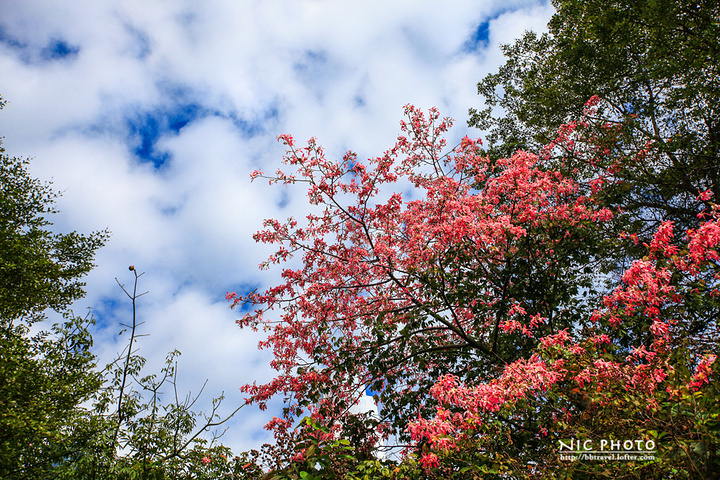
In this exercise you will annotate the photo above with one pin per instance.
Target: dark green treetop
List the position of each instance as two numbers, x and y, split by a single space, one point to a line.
39 269
654 64
45 376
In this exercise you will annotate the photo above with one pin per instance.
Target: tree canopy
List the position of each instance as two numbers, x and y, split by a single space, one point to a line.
654 66
463 308
559 283
46 376
39 269
409 290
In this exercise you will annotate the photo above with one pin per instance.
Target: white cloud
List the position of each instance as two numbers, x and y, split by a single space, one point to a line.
209 85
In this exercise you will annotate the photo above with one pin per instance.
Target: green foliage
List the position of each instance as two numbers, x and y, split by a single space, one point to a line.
46 375
44 380
313 452
39 269
655 66
60 416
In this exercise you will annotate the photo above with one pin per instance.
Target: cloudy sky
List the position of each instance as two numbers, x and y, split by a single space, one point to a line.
149 116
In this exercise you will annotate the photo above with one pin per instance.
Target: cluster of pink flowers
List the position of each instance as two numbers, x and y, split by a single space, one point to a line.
371 261
702 372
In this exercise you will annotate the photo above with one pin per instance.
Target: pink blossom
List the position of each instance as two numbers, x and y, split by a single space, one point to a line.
706 195
659 328
429 460
702 372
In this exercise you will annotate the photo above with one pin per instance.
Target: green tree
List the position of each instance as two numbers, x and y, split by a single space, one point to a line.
46 376
39 269
44 380
654 65
60 415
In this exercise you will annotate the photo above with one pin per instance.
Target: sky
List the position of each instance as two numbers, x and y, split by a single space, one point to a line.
149 117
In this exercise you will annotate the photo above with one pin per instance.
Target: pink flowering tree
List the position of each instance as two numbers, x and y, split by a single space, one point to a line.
663 389
471 295
462 274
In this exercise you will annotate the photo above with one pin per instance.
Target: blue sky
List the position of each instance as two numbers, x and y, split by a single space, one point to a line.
149 116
